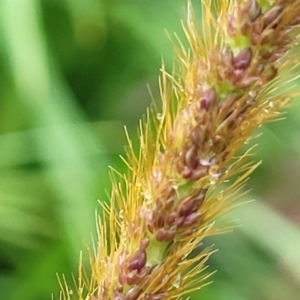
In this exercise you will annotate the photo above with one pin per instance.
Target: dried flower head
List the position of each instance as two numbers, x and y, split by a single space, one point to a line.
224 87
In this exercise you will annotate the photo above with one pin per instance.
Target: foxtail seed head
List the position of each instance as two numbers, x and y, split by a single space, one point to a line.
224 88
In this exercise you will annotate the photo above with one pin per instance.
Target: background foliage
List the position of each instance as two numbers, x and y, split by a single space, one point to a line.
72 73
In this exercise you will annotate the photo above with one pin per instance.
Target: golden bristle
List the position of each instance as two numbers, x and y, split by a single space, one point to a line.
223 88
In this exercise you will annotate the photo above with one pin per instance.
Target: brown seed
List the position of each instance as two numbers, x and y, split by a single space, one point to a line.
159 203
192 218
257 28
160 221
247 81
198 203
196 135
169 203
198 174
171 218
246 28
187 172
138 260
133 293
160 235
271 15
144 272
254 10
132 277
295 21
186 207
243 59
267 36
266 53
191 157
169 235
225 106
179 221
208 99
217 139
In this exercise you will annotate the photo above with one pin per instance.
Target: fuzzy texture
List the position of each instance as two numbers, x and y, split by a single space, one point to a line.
225 85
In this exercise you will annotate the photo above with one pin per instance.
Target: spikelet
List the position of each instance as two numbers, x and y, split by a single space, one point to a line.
225 85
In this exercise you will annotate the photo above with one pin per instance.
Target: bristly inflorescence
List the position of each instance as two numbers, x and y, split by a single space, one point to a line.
224 87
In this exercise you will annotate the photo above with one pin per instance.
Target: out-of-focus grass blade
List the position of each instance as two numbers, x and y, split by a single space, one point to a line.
166 15
249 270
33 285
17 147
218 290
88 19
50 104
20 211
273 232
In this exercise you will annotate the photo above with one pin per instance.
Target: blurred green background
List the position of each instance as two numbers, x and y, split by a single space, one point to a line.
72 74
